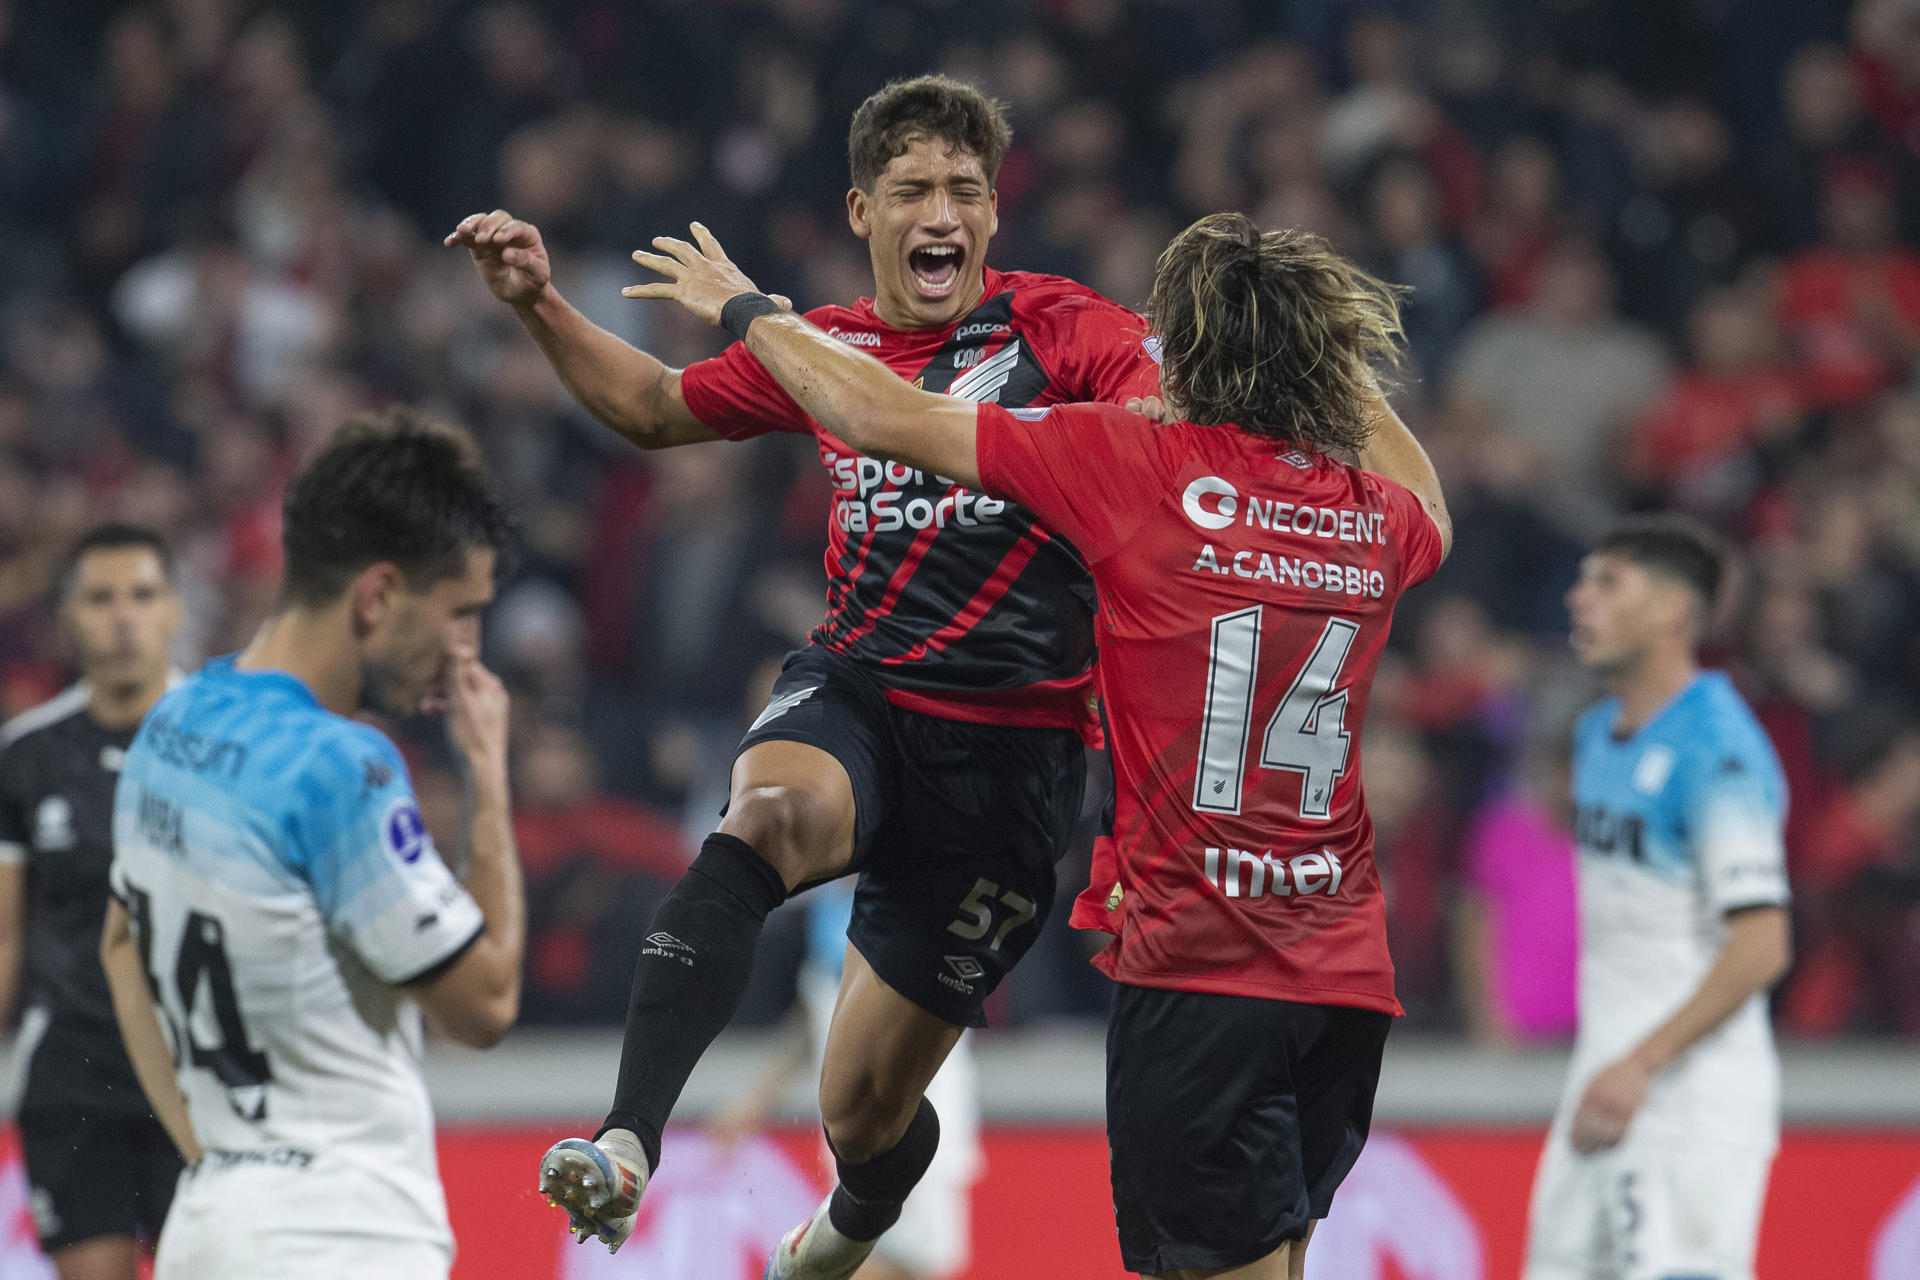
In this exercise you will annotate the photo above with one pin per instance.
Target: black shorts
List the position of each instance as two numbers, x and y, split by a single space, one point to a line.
1231 1120
956 829
96 1175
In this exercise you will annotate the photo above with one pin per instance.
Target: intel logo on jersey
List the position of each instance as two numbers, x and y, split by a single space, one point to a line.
1211 487
404 832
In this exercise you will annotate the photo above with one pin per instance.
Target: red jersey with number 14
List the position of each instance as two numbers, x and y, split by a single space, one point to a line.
1245 589
958 604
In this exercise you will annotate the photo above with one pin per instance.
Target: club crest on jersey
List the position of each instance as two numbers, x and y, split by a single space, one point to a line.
403 831
1227 506
1651 773
53 825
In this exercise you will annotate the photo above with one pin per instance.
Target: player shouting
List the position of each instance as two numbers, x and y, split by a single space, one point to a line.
279 902
930 734
1246 583
1656 1164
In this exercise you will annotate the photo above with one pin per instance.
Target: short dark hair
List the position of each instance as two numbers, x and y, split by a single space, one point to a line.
389 485
1272 331
939 108
113 536
1676 547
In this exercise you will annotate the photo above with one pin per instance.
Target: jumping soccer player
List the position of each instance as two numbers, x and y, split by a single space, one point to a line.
1657 1162
1246 583
58 765
930 736
279 902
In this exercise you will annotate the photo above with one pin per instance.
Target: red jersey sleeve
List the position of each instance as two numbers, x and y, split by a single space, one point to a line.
1091 471
1412 529
1096 349
732 394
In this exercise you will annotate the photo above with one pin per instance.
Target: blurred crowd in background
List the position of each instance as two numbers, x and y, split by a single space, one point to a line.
1659 253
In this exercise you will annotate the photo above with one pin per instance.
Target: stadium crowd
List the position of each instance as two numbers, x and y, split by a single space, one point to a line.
1632 288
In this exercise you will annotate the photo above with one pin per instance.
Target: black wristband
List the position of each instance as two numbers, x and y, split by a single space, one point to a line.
742 309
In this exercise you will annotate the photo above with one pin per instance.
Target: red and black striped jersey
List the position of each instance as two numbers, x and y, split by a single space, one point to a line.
959 604
1246 589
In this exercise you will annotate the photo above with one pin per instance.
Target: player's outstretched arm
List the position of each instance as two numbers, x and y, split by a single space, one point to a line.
477 1000
622 386
1756 954
140 1030
1393 452
860 401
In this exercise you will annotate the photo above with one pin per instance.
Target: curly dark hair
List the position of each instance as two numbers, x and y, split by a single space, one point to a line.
935 107
1271 331
391 485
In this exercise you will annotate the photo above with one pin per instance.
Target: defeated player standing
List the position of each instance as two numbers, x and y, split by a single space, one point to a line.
1246 583
1656 1165
58 766
930 735
279 902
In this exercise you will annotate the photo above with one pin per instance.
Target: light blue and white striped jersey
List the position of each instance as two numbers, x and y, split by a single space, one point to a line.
283 890
1678 824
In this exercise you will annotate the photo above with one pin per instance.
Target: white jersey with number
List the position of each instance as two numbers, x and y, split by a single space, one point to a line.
283 893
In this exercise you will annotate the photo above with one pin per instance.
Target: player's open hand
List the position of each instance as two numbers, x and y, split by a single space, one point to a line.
507 253
699 276
477 706
1608 1106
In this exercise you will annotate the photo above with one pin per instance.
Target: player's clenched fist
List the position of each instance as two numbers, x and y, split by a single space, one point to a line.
507 253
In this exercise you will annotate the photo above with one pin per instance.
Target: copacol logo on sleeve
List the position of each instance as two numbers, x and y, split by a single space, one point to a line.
404 832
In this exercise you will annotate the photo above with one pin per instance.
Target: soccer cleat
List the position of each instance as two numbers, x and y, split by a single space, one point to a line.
597 1183
814 1250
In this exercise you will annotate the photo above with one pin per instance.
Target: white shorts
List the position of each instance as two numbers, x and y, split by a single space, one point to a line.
231 1226
1653 1207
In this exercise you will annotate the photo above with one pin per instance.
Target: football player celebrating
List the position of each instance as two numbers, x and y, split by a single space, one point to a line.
930 735
1246 583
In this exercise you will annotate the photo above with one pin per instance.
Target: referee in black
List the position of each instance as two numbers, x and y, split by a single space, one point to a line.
101 1168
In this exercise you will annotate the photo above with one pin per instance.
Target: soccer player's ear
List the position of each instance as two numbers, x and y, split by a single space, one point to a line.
858 204
371 596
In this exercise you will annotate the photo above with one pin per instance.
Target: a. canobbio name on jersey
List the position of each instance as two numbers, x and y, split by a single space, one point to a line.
1245 874
1345 579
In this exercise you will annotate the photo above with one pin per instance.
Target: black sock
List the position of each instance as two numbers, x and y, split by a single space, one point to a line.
870 1194
689 979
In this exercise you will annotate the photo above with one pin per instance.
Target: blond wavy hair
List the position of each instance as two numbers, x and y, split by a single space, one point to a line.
1273 332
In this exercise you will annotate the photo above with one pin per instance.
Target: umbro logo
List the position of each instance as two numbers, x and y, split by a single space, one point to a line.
667 947
784 703
965 967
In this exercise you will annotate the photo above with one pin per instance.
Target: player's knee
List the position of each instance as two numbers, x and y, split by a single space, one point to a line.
861 1120
792 827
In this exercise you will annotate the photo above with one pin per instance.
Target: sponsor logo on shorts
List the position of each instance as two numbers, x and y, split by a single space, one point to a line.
784 703
667 947
966 971
1241 873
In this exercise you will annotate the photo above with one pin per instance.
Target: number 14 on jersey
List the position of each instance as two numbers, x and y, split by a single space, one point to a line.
1306 734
